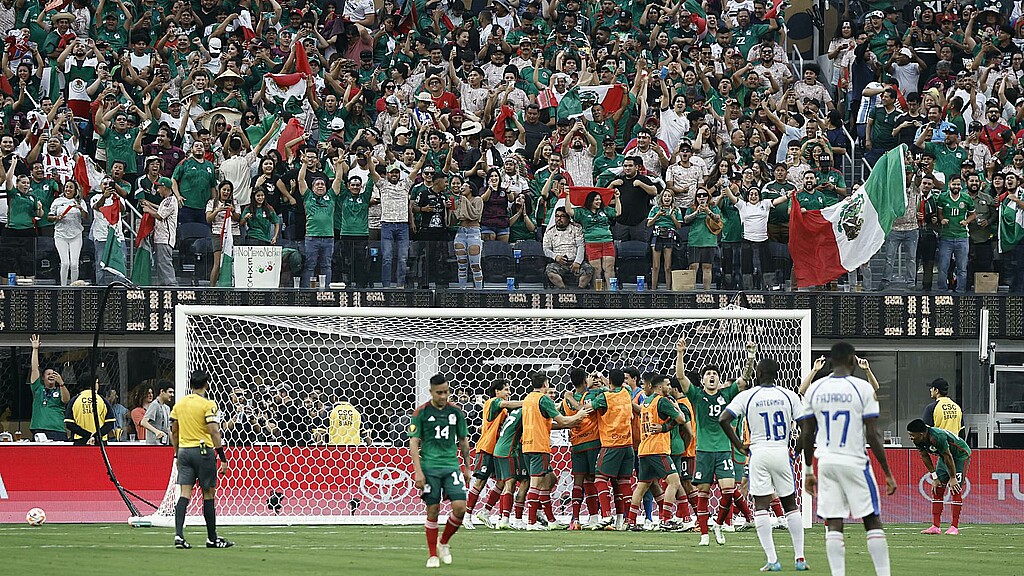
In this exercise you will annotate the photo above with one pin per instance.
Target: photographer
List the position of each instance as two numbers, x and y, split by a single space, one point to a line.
69 213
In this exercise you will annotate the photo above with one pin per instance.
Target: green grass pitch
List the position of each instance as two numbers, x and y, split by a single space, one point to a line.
104 549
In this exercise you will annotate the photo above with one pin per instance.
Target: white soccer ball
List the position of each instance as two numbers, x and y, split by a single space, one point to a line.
35 517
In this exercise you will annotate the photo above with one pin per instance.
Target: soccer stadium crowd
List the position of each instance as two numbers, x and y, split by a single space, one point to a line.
419 139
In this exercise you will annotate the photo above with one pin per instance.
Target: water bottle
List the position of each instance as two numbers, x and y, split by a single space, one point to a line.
613 284
641 283
510 284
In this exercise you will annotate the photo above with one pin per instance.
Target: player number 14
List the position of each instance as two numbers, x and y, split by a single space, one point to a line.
441 432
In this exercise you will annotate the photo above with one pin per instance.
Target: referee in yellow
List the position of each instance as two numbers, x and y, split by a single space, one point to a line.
195 435
942 411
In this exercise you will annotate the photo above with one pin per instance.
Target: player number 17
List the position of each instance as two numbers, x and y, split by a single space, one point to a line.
831 417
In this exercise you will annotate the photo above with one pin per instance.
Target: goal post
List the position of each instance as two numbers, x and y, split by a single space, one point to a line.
314 402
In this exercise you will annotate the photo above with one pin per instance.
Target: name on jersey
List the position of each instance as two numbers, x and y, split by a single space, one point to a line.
830 397
768 403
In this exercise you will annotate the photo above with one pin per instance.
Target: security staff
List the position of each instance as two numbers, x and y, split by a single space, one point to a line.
79 419
942 411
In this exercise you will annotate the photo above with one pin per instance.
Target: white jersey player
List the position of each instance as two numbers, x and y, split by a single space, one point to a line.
770 412
840 413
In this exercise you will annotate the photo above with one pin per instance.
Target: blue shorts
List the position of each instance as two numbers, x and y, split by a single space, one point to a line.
495 231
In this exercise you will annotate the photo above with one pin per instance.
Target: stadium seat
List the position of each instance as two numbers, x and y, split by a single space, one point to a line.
195 249
498 262
631 260
47 261
532 262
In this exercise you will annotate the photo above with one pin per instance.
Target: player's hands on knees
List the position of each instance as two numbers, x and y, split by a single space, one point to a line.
811 484
954 485
420 480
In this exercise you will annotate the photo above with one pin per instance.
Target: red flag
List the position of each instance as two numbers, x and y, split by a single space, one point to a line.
578 194
301 60
112 211
504 114
773 10
547 99
245 23
406 17
146 227
292 130
5 86
815 263
87 176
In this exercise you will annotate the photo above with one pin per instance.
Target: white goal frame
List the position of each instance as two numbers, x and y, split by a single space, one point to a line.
423 373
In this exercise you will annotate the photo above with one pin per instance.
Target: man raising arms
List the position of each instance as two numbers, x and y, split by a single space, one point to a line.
714 451
436 434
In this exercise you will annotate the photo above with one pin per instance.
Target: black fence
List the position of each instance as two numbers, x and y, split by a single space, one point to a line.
834 315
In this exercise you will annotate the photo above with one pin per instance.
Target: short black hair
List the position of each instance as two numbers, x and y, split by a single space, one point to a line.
710 368
200 379
577 375
438 379
538 380
633 372
767 370
658 379
917 425
674 383
498 384
843 354
616 376
164 384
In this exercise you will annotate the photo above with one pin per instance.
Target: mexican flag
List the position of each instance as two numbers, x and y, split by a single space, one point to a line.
288 91
1011 225
87 174
826 244
610 96
227 253
578 195
142 267
112 259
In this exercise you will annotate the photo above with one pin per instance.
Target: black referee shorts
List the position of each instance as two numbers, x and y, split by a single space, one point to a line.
194 465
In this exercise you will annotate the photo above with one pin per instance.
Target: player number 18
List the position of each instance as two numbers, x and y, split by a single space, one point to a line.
775 428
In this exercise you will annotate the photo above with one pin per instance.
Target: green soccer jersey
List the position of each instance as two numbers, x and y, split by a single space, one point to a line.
779 214
707 408
596 225
510 437
700 235
956 210
47 408
737 425
732 225
940 440
678 446
439 431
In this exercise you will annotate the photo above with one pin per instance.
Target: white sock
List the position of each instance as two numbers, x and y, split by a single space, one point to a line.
795 522
835 549
878 547
619 519
763 522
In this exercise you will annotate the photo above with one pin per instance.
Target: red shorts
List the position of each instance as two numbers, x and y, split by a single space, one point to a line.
596 250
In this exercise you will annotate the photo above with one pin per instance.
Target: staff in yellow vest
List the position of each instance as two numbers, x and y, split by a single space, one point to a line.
942 411
79 419
344 424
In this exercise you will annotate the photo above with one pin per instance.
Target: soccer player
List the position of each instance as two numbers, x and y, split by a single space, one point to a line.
952 454
616 459
741 521
683 456
437 433
769 412
495 410
658 415
507 452
586 442
942 411
195 436
714 451
840 414
539 411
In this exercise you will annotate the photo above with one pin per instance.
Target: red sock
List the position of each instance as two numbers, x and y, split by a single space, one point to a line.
632 514
957 504
545 502
430 527
659 501
450 528
492 498
474 494
702 512
577 501
519 510
668 511
692 499
505 505
532 496
725 506
777 508
624 491
592 501
740 502
937 498
604 496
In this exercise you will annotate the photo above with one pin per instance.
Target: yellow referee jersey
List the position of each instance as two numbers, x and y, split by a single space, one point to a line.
343 429
193 413
948 415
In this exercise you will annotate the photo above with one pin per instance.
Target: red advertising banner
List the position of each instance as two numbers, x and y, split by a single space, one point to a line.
71 483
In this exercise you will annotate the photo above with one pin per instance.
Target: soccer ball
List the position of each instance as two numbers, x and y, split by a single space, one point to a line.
35 517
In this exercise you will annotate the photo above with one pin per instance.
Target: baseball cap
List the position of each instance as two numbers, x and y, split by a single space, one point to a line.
394 167
951 130
876 14
366 55
214 45
163 181
625 15
402 130
392 100
424 97
609 140
337 124
939 384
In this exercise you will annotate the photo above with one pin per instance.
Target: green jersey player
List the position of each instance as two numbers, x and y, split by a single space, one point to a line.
436 434
953 458
510 468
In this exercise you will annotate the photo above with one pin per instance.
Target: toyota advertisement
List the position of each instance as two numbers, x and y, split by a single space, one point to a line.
72 485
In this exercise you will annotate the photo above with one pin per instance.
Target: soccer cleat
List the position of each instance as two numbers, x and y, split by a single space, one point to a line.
219 543
575 525
444 552
953 531
779 523
932 530
705 540
542 521
634 527
485 518
772 567
742 525
603 523
801 565
555 525
727 528
517 524
467 522
503 524
535 527
181 544
719 537
433 562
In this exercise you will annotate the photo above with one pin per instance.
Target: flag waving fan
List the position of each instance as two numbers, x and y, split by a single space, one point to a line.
828 243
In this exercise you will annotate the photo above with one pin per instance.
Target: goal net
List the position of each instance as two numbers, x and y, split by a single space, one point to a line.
315 402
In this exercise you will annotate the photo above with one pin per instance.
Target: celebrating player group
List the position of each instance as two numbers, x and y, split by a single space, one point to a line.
647 450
